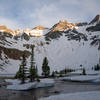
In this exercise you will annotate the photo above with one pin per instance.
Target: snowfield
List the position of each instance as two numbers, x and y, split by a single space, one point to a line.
61 52
93 95
29 85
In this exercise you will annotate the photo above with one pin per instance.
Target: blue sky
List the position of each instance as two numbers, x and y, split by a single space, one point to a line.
30 13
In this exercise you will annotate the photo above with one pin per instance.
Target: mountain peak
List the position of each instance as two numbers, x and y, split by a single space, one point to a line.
39 27
96 19
3 27
63 25
62 21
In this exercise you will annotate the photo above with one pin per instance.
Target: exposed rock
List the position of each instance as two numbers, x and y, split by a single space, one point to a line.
62 25
82 24
6 30
25 36
27 31
75 35
18 32
96 42
59 28
13 53
3 27
94 28
96 19
53 35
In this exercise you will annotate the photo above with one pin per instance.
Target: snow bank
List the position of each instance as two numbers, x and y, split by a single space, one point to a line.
76 72
88 72
25 86
13 81
91 72
93 95
83 78
29 85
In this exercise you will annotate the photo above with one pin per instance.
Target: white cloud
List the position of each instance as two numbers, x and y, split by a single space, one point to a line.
12 24
28 13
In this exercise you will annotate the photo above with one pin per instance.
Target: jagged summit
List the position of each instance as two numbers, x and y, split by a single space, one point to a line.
96 19
4 28
63 25
40 30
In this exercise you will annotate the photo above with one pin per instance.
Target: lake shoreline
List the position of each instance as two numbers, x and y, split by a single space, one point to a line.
59 88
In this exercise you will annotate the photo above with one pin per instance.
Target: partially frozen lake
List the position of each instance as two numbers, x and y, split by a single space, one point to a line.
60 87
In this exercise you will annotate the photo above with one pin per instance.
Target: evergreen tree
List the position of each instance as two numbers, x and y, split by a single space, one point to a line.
45 68
18 74
97 67
53 74
21 74
33 69
36 71
65 71
84 71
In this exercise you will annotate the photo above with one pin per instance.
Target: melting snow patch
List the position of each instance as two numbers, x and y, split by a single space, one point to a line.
83 78
29 85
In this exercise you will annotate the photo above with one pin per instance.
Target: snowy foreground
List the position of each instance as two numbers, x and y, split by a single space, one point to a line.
93 95
83 78
29 85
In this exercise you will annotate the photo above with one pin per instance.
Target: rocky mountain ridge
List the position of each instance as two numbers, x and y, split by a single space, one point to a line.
96 19
65 45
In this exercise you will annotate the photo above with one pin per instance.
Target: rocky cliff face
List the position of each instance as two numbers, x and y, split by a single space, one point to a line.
81 24
12 53
96 19
94 24
94 28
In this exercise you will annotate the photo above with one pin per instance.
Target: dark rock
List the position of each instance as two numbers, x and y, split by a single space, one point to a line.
94 28
96 19
82 24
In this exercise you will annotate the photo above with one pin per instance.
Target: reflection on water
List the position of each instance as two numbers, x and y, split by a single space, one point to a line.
35 94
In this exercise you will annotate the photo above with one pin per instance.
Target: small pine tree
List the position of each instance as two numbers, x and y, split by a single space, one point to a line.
65 71
53 74
97 67
84 71
81 65
18 74
21 74
36 69
56 72
45 68
33 69
60 74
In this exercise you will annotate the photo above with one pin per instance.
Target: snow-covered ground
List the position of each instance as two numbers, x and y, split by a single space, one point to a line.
89 71
61 53
29 85
93 95
83 78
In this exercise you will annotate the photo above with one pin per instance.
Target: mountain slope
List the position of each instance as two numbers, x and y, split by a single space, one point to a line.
65 45
96 19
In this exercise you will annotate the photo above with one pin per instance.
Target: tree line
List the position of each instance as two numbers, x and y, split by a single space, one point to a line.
31 72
